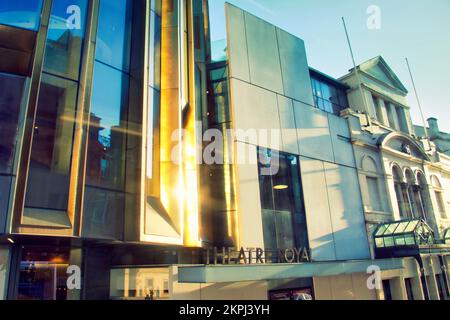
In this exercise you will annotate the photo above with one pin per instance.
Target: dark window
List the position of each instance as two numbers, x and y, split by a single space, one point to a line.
401 119
218 104
284 220
409 289
378 109
424 197
390 113
11 91
49 172
43 274
328 97
387 290
401 193
439 281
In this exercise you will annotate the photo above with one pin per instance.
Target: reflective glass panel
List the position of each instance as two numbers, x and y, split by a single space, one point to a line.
114 29
410 239
154 63
65 38
23 14
389 241
49 172
107 128
284 220
103 213
11 95
381 230
379 242
43 274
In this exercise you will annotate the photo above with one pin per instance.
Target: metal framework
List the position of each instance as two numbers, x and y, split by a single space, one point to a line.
403 233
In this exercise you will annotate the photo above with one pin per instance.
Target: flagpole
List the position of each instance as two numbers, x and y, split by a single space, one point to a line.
419 104
358 79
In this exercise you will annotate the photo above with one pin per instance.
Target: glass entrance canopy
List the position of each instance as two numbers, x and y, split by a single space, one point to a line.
403 233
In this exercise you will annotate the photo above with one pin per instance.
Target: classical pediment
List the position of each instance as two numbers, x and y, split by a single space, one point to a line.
379 69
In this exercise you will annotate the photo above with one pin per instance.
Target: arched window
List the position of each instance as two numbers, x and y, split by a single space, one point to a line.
438 193
401 193
424 196
412 191
373 186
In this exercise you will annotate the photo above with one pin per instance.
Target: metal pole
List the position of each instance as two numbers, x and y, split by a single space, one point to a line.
358 79
419 104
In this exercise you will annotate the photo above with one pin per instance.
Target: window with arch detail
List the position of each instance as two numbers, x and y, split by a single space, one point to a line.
401 193
439 195
373 184
423 195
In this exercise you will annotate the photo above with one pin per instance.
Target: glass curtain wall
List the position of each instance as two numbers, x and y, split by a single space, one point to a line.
104 200
50 162
283 211
11 96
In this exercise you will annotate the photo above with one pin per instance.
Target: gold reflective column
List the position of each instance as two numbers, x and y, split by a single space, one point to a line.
172 191
171 175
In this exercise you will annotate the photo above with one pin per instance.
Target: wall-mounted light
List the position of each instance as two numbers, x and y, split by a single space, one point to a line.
281 187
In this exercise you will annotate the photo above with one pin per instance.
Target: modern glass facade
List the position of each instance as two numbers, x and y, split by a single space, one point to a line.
86 120
107 108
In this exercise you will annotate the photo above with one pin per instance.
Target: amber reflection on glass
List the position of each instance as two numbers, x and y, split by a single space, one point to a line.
48 180
168 217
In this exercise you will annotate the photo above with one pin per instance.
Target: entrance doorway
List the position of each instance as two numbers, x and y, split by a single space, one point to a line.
43 274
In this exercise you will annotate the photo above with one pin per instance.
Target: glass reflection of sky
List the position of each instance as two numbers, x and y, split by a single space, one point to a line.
58 19
114 29
112 62
107 98
21 13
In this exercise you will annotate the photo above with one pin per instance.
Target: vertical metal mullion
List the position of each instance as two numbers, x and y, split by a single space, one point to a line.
80 142
27 129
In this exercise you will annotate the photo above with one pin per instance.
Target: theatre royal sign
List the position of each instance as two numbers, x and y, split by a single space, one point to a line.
229 255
